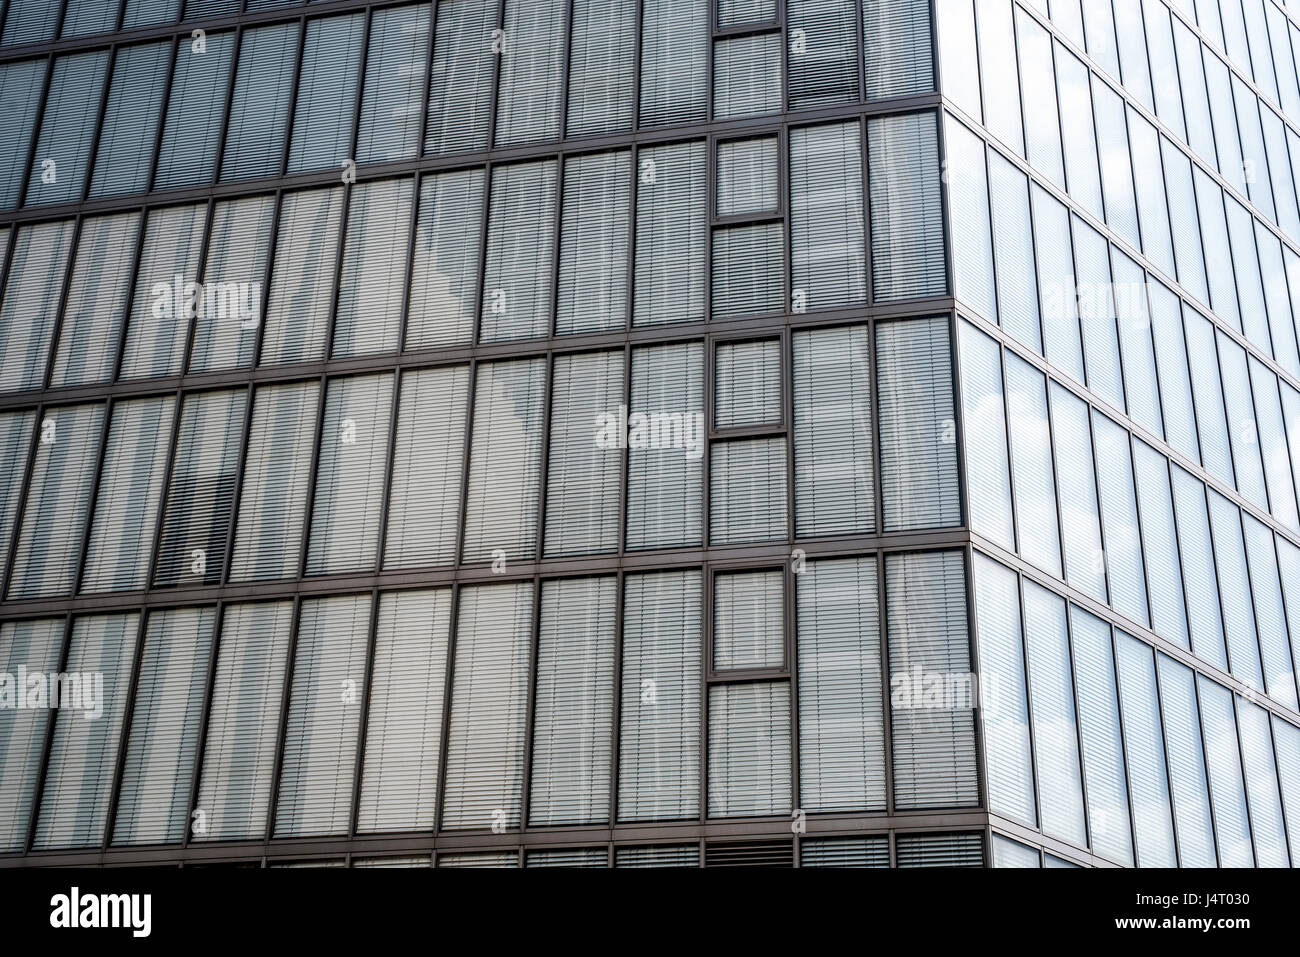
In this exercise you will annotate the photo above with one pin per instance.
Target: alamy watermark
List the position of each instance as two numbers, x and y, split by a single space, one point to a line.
651 430
185 299
39 690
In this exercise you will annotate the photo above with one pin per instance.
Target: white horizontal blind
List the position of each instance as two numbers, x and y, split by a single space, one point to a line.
1187 779
1227 785
672 221
15 445
899 59
845 852
749 749
173 242
594 239
31 301
424 503
747 498
397 62
130 492
568 857
601 64
460 84
505 459
348 503
95 308
747 383
372 283
746 75
35 645
1144 748
58 497
444 265
268 535
907 247
827 233
1009 853
674 54
497 859
399 782
918 446
933 742
324 717
303 277
530 96
574 707
736 12
517 279
832 432
748 270
940 850
748 620
200 496
841 688
227 327
489 705
582 483
659 766
824 68
663 483
663 855
164 738
243 723
747 177
83 751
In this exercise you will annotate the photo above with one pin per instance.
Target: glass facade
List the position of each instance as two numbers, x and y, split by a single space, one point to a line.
649 433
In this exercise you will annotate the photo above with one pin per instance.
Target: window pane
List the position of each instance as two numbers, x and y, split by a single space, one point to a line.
196 106
1174 378
460 84
36 646
429 453
1062 344
832 432
1141 388
747 270
1119 520
95 308
15 444
826 229
164 736
1270 616
1238 612
31 303
201 491
1159 540
601 61
268 537
243 723
532 67
989 480
399 783
940 850
1032 470
1097 314
748 621
749 749
823 63
594 238
373 278
260 105
396 65
1085 565
841 693
1199 575
345 513
1145 749
1227 786
664 465
1079 143
1186 764
83 749
1013 248
1051 701
671 232
573 722
933 743
659 762
998 75
582 485
1009 853
907 257
1002 683
899 60
1262 786
304 279
968 198
67 128
59 496
324 717
674 51
1038 94
21 85
520 252
747 75
445 267
918 450
747 499
747 384
130 490
227 319
127 139
489 702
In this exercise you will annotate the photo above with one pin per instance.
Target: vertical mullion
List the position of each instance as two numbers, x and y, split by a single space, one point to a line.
882 621
616 743
1241 758
1164 743
444 735
363 724
99 119
704 653
1123 744
24 491
530 706
94 482
61 305
281 739
236 52
163 104
291 113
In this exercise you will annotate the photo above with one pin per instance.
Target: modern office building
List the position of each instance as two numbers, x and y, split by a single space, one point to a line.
649 433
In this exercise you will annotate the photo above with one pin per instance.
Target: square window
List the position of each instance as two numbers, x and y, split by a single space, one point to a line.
747 491
747 75
748 270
